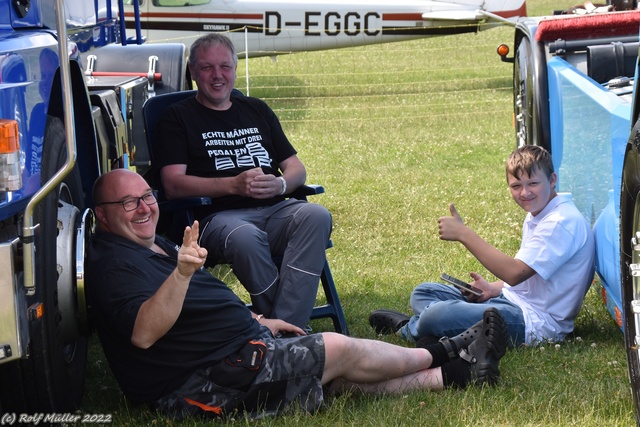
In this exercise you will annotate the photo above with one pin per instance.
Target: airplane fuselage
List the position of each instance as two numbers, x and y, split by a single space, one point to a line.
274 27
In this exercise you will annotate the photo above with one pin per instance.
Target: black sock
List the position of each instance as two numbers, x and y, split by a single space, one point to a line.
439 354
456 373
424 341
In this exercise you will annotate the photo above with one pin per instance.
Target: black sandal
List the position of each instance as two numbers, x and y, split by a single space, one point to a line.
387 321
485 352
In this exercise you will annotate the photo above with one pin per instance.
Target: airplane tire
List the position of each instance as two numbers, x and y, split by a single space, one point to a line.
51 378
630 254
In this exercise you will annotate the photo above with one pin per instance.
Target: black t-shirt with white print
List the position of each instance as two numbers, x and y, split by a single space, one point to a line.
225 143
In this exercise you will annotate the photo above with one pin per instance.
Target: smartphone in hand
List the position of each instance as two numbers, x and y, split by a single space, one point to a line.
463 286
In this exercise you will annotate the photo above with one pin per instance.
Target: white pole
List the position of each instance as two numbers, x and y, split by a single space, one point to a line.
246 62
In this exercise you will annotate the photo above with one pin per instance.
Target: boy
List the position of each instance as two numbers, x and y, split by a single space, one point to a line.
540 290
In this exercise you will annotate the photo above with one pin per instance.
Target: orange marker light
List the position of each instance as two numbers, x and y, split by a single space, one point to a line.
35 311
9 142
10 175
503 50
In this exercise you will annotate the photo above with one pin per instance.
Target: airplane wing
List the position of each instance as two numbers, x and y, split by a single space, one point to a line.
502 11
470 16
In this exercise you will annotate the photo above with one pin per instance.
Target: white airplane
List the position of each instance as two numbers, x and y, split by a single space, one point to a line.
267 28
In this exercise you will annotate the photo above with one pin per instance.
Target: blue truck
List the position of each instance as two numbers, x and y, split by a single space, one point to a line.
574 94
72 88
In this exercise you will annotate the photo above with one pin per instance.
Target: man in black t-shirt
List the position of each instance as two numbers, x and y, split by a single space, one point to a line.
181 341
233 149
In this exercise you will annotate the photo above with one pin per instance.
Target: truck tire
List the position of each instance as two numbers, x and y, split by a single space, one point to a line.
529 102
630 255
524 113
51 378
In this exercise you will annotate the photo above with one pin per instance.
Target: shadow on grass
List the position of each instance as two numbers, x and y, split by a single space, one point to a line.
594 323
556 378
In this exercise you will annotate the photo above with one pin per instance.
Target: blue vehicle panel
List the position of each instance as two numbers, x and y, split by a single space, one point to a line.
26 76
589 131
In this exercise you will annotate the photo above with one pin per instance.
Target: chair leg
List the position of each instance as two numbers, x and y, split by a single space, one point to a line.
333 307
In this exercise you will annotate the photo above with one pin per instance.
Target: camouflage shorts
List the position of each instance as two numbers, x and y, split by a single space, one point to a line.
289 377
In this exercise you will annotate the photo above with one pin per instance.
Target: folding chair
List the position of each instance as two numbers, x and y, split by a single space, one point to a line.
181 211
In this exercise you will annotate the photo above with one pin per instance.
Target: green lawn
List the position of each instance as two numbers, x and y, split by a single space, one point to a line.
395 133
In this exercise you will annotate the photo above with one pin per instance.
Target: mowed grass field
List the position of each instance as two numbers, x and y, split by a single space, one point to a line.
395 133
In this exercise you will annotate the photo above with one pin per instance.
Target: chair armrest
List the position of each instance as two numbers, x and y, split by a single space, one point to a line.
184 203
306 190
193 202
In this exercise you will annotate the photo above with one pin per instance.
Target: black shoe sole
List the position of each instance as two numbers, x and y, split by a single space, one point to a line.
497 334
488 349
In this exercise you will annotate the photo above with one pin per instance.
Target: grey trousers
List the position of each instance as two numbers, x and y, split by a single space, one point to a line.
248 239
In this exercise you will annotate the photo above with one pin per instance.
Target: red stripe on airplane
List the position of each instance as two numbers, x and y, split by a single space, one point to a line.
198 15
512 13
402 16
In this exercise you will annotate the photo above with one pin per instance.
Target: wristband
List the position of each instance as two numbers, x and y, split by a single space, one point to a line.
258 317
284 184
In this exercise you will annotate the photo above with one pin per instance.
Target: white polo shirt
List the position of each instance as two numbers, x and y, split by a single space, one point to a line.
558 244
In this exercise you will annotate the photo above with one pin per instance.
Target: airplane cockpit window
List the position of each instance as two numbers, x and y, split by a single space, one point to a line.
179 3
170 3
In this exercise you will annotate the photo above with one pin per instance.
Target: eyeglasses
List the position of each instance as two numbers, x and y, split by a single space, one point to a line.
131 203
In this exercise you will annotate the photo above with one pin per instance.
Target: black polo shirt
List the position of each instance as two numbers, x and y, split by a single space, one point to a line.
214 322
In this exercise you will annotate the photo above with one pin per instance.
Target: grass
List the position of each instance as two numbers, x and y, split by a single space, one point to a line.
395 133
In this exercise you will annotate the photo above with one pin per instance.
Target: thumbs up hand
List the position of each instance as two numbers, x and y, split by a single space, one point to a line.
451 227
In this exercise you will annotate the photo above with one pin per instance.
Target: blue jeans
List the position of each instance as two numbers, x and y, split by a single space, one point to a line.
442 311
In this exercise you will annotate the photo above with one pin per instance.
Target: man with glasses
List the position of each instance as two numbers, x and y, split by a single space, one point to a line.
181 341
132 203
